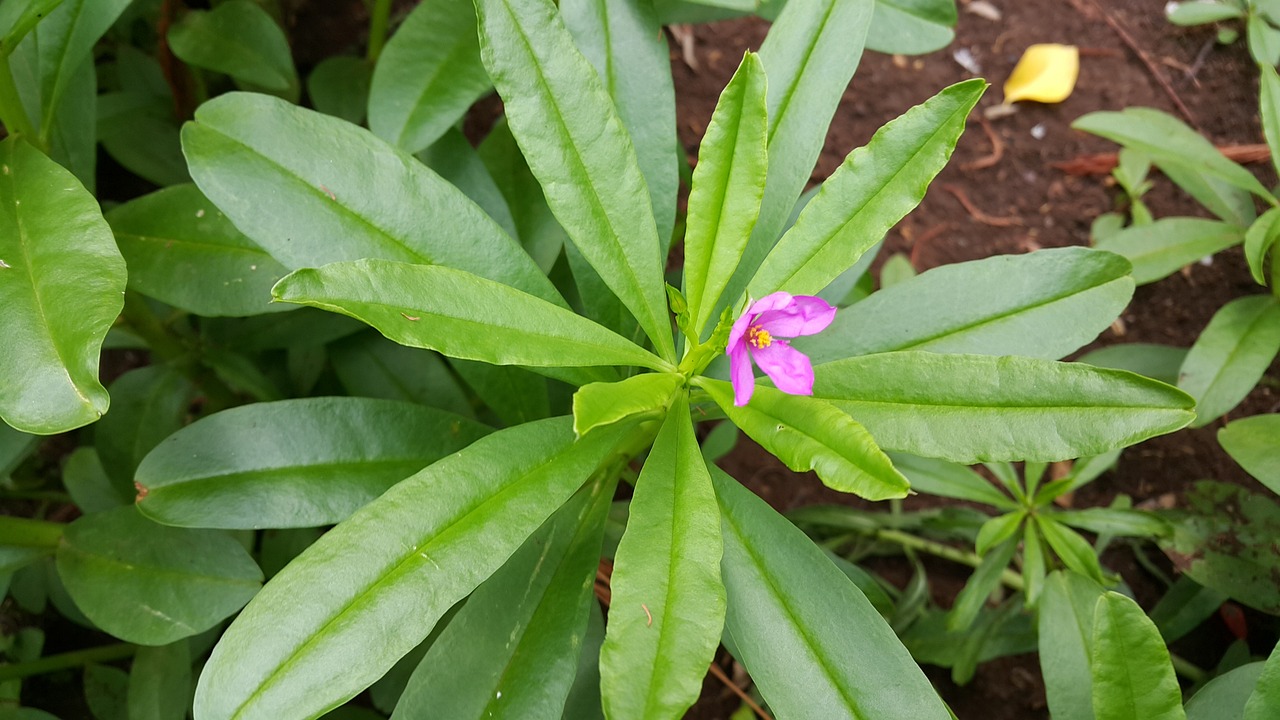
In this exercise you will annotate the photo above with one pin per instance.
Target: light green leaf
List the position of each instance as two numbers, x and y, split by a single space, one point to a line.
728 183
624 42
336 618
912 27
1066 644
312 189
984 581
938 477
1224 697
1259 239
997 530
1044 304
293 463
238 38
1075 551
1201 12
512 650
160 682
428 75
873 189
339 86
460 315
578 148
1115 521
1231 354
971 408
18 17
1161 248
61 286
151 584
1158 362
1132 675
668 603
1254 442
1263 40
1269 109
1265 701
604 403
808 434
814 644
151 402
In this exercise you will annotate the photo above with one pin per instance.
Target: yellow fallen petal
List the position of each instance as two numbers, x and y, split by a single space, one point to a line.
1046 73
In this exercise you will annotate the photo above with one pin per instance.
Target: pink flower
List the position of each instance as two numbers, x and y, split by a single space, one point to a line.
759 335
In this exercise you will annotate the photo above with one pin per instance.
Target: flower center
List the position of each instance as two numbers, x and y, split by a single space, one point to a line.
759 337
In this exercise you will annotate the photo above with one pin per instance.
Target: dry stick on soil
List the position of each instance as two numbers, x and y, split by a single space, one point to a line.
997 149
977 214
923 240
1103 163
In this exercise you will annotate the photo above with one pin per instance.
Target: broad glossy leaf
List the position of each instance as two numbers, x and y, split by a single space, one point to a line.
728 183
160 682
460 315
938 477
812 642
339 86
985 579
512 650
151 584
808 434
1265 701
1231 354
1044 304
971 408
151 403
312 189
1263 40
1158 362
61 286
1224 697
428 75
668 602
1161 248
604 403
576 145
1254 442
873 189
1132 675
912 27
293 463
624 42
1259 240
369 365
336 618
238 38
1066 643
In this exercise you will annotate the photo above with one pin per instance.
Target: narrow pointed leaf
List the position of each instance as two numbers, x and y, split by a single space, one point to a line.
1199 12
1254 442
604 403
728 183
972 408
1231 354
1115 521
460 315
514 394
1132 675
983 581
814 645
61 286
1269 108
1265 700
1075 551
512 650
873 189
578 148
341 614
312 189
1259 240
667 609
293 463
1045 304
997 530
1161 248
937 477
428 75
1066 643
809 434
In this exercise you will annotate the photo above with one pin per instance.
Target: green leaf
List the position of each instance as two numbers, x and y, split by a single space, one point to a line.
1066 644
1259 239
1269 109
997 530
18 17
73 133
61 286
1265 701
579 150
1183 607
1161 248
983 582
1224 697
151 584
1075 551
873 189
1231 355
1263 40
584 701
369 365
1201 12
812 642
461 315
1115 521
160 682
1132 675
1170 144
911 27
512 650
668 603
1255 443
105 691
1044 304
339 86
88 483
1158 362
971 408
624 42
138 131
150 404
293 463
810 55
1033 564
312 189
808 434
514 394
461 164
728 183
15 447
937 477
536 227
336 618
428 75
604 403
238 38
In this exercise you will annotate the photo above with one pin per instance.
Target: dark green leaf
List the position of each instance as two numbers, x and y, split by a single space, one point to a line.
1183 607
339 86
160 682
1158 362
1115 521
151 403
369 365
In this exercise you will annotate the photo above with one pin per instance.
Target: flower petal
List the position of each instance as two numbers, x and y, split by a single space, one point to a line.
744 381
788 368
804 315
739 329
772 301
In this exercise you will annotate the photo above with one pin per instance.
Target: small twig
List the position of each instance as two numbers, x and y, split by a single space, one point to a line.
997 149
1199 61
1103 163
924 239
977 214
755 707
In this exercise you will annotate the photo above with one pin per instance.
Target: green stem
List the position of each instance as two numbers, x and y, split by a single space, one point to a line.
1010 578
64 661
1194 673
12 113
379 19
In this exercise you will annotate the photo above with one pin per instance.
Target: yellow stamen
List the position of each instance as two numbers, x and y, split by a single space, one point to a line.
759 337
